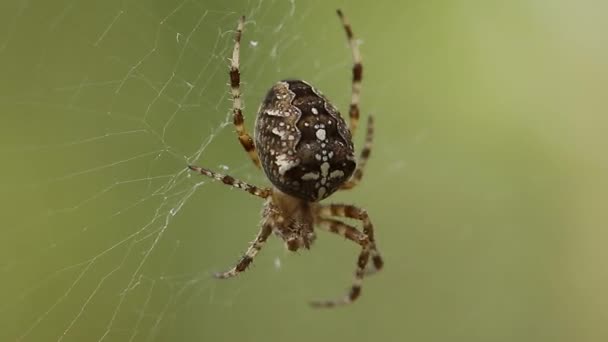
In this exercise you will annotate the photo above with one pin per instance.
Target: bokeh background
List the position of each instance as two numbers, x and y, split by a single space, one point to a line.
487 182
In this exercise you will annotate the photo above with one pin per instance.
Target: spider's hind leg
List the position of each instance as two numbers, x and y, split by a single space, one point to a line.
357 73
365 153
237 105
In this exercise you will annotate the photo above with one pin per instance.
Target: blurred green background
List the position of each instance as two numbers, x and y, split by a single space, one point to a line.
487 182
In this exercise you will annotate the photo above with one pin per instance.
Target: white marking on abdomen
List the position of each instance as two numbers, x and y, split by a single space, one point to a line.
278 132
320 134
284 163
324 169
310 175
336 173
321 192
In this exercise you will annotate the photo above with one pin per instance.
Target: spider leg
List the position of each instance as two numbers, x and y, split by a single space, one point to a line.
252 251
357 74
237 105
365 153
351 211
350 233
229 180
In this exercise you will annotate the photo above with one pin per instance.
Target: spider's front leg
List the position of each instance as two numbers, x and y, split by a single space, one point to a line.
252 251
351 211
231 181
351 233
365 239
265 231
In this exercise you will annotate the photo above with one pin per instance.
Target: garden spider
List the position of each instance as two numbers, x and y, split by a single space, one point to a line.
306 150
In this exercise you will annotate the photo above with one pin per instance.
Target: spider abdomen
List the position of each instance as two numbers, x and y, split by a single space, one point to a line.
303 143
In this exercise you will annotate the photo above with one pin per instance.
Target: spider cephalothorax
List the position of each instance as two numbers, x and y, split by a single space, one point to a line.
307 153
294 217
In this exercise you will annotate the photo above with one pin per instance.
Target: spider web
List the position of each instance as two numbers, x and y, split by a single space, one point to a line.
489 170
107 103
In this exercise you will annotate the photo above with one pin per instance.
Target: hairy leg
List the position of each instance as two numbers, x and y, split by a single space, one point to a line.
252 251
237 105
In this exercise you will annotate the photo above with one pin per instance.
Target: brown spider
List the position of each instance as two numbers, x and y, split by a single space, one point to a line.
307 153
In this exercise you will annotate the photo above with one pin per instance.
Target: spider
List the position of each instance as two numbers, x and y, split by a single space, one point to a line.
305 148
